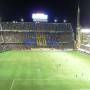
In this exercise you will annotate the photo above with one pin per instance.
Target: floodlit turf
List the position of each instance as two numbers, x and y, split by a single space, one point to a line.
44 70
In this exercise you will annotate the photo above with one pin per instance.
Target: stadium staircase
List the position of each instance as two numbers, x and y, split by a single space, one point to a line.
1 39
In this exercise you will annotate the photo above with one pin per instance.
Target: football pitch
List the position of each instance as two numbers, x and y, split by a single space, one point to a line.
44 70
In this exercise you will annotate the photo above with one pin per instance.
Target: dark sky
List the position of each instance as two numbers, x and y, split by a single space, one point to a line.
59 9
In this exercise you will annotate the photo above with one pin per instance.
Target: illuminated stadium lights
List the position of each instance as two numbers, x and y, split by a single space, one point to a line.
85 30
64 21
55 20
13 21
39 17
22 20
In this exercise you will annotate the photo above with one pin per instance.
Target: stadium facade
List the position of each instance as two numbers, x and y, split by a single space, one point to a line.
27 35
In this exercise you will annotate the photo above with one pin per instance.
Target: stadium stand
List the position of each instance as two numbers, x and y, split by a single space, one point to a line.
26 35
85 43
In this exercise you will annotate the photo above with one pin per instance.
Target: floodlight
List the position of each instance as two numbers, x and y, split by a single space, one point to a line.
22 20
55 20
13 21
64 21
41 17
85 30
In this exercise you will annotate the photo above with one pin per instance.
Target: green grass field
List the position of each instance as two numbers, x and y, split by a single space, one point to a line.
44 70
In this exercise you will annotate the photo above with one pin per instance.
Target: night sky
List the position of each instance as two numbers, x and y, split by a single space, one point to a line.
56 9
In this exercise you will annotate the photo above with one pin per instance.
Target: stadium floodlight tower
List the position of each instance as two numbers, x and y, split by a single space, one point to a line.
78 37
39 17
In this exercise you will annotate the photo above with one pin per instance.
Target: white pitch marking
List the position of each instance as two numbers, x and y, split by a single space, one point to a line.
12 85
37 79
